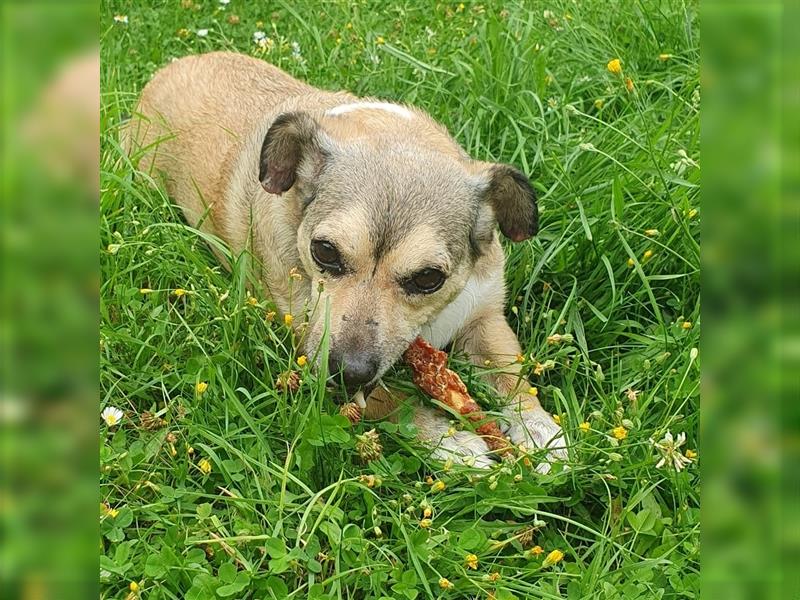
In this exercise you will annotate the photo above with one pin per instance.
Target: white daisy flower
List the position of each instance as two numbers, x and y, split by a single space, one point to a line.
121 19
258 36
668 448
112 415
202 32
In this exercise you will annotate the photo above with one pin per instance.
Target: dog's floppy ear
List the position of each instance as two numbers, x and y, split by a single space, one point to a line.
513 202
292 148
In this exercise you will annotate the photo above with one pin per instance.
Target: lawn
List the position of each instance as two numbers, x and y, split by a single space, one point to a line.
219 482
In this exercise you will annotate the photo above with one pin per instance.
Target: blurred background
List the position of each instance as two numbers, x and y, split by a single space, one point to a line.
48 324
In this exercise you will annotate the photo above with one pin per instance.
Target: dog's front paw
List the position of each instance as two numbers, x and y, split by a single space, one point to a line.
529 425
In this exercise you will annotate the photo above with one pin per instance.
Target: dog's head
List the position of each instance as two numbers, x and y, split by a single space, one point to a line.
390 233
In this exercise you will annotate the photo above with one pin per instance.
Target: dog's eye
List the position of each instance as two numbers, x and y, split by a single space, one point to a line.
327 257
425 281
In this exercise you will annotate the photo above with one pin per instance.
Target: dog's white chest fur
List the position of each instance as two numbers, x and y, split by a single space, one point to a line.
477 293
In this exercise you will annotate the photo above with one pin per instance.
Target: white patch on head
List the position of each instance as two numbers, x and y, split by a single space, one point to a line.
477 293
387 106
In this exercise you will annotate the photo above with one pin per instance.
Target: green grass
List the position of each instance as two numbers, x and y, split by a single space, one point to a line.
285 510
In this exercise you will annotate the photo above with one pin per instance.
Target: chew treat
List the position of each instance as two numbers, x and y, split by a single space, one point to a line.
431 375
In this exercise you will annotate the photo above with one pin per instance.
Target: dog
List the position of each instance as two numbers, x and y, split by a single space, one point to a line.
387 222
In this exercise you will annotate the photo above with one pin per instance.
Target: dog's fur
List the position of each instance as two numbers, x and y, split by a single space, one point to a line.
269 163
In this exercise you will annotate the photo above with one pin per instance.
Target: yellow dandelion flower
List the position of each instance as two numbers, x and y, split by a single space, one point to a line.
145 291
691 454
200 387
348 26
619 432
554 557
664 57
536 551
494 576
631 262
460 7
532 391
425 523
687 325
288 319
651 232
438 486
270 316
302 360
179 292
427 513
204 465
134 587
520 358
648 254
557 419
599 103
629 84
379 40
615 66
252 301
446 584
471 561
585 426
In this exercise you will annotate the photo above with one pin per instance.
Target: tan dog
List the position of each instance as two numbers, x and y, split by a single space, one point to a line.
390 223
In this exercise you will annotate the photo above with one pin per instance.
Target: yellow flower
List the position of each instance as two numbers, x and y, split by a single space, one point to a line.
288 319
446 584
520 358
302 360
651 232
460 7
648 254
554 557
429 480
585 426
438 486
691 454
692 213
134 587
533 391
615 66
270 316
687 325
252 301
179 292
204 465
599 103
379 40
427 512
557 419
471 561
536 551
348 26
200 387
145 291
631 262
664 57
495 576
619 432
425 523
629 84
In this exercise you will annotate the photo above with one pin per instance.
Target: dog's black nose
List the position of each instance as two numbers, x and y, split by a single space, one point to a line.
356 369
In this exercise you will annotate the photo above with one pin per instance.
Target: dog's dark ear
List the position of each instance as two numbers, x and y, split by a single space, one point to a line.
293 147
513 202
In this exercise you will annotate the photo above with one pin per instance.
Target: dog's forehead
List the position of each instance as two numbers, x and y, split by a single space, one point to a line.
388 197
